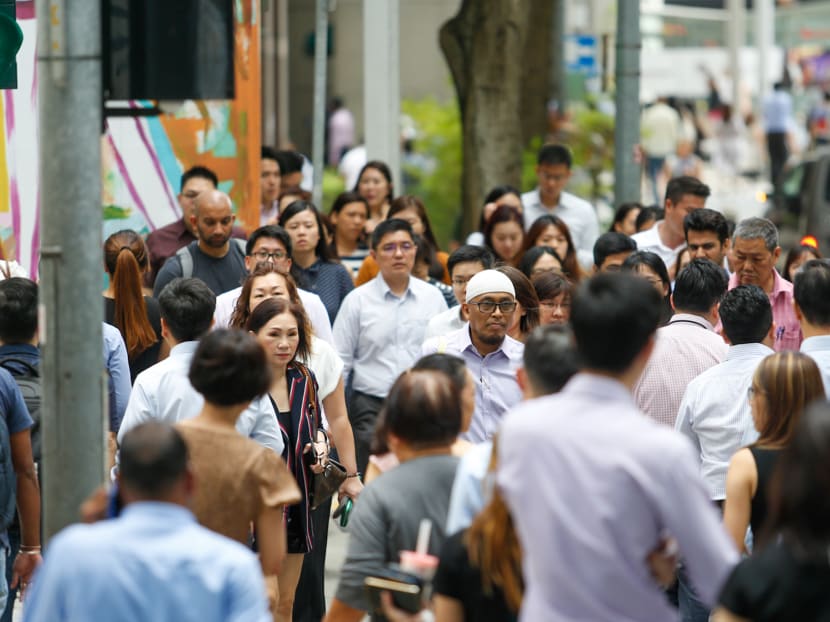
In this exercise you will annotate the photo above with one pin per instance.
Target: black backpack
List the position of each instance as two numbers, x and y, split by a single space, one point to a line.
27 377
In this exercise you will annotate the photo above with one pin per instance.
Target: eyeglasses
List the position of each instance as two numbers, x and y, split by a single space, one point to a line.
550 304
392 248
488 306
460 281
265 255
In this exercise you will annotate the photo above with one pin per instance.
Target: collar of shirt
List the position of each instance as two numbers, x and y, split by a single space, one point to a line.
171 513
689 318
385 290
597 387
651 237
819 343
780 286
185 348
747 350
181 231
22 350
509 348
313 269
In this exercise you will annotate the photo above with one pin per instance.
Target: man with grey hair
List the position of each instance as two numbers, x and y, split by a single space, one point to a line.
213 257
755 252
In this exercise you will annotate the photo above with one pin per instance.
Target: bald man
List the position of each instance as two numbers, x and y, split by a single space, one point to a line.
214 257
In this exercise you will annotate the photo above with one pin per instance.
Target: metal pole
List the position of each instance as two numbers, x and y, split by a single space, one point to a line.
557 65
736 36
319 128
69 65
627 99
381 84
764 42
283 83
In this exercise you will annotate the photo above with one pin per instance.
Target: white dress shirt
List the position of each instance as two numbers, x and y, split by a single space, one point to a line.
163 393
649 240
586 477
379 335
494 375
818 349
444 323
715 413
314 309
578 214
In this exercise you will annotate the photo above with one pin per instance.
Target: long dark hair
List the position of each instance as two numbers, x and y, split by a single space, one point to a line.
570 264
322 249
408 201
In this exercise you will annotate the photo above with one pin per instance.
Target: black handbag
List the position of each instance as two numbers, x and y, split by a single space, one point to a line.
325 484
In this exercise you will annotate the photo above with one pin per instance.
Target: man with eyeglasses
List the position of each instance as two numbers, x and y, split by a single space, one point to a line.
273 244
380 328
463 264
165 241
491 355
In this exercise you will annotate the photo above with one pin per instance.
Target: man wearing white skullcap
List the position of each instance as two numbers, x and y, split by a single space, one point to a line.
491 355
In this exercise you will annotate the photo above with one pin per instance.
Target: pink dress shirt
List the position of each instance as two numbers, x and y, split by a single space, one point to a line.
787 328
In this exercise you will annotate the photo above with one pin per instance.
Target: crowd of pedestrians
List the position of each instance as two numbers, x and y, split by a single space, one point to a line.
548 422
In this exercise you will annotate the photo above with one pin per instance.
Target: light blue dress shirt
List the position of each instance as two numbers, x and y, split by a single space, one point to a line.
471 489
818 349
155 563
163 393
495 378
379 335
117 365
592 485
715 415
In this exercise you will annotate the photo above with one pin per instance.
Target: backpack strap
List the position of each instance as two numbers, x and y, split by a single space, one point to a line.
186 261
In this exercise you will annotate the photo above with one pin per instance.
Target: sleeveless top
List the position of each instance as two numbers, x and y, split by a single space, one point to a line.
765 461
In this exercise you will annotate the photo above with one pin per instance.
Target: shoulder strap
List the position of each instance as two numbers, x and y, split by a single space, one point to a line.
186 261
312 394
240 244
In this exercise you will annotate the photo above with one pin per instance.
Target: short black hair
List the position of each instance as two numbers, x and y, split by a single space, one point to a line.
811 290
554 154
612 243
18 310
289 161
683 185
187 306
700 285
550 358
423 409
201 172
746 314
152 459
269 231
613 316
269 153
470 253
706 219
390 225
229 368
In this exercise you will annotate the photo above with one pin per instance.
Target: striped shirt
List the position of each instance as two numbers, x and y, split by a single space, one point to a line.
686 347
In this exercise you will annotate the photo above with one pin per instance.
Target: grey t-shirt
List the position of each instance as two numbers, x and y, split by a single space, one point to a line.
219 274
387 516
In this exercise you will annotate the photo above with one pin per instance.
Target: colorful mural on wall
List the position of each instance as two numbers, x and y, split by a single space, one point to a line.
142 158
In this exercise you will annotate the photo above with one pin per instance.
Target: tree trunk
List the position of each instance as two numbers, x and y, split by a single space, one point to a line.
485 45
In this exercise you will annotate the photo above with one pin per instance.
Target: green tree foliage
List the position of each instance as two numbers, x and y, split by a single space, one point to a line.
438 180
